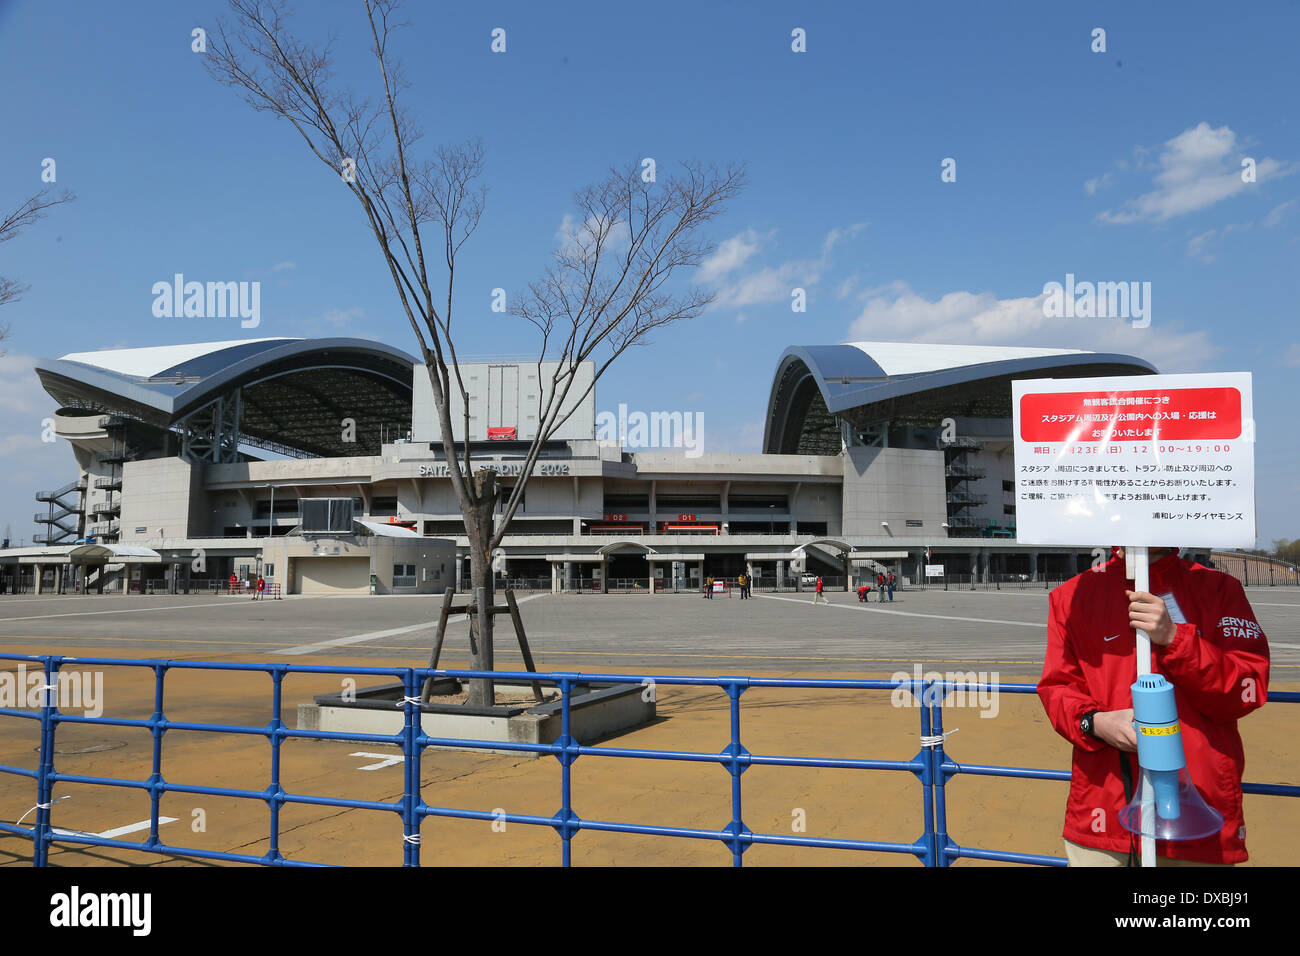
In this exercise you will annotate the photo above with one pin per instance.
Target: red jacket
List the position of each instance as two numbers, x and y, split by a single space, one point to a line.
1218 663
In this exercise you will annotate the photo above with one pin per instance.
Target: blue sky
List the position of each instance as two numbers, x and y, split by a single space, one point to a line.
1114 166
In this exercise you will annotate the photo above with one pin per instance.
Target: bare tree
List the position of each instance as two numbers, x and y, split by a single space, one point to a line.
32 210
609 286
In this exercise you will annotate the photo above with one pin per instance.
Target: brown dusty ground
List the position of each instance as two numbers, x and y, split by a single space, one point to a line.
986 812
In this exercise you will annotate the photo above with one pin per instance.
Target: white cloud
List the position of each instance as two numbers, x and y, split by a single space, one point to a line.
20 390
1197 245
574 237
747 438
1197 168
1292 357
1278 213
1099 182
283 266
835 235
27 463
730 255
773 284
897 313
768 285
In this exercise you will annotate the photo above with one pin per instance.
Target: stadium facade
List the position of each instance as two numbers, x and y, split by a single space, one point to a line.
876 455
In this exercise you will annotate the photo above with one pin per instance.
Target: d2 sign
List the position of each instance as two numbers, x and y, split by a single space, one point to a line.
1156 460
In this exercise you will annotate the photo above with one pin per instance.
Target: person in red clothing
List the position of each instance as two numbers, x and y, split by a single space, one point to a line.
261 588
1206 641
817 594
234 582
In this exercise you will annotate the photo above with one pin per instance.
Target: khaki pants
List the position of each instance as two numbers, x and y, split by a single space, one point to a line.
1088 856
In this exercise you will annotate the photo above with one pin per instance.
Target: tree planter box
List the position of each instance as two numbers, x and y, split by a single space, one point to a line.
596 711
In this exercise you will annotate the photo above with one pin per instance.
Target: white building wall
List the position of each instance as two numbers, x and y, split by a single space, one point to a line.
896 485
504 394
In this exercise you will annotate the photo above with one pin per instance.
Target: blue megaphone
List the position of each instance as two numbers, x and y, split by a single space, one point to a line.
1174 808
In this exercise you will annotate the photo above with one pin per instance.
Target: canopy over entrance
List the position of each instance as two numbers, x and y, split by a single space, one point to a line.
113 554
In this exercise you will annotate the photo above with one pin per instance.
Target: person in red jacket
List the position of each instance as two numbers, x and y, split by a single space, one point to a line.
1206 641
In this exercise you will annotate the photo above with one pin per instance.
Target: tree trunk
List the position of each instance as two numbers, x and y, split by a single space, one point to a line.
481 586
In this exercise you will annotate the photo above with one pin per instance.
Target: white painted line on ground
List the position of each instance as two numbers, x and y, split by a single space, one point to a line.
1289 647
376 635
385 760
133 827
117 831
881 610
128 610
1266 604
356 639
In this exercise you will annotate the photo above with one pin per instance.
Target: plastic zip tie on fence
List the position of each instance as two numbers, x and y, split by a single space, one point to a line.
411 838
936 740
41 806
407 700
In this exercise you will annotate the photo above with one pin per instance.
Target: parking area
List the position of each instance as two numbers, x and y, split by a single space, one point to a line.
778 635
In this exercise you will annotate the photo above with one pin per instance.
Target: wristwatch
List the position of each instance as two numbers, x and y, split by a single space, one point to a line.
1085 723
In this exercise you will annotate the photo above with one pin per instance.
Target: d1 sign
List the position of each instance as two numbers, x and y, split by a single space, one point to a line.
1156 460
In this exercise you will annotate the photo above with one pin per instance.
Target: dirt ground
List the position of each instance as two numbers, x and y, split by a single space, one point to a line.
984 812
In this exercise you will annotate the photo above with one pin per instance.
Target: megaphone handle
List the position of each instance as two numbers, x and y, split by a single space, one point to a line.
1142 582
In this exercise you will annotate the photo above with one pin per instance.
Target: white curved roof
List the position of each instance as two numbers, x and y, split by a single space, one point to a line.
912 358
148 362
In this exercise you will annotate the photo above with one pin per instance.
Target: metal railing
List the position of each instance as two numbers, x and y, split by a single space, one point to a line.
932 767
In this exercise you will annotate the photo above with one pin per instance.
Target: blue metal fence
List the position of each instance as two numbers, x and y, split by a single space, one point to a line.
931 765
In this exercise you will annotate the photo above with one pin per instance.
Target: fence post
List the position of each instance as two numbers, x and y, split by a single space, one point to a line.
566 821
936 698
41 837
736 764
156 730
274 791
927 774
411 797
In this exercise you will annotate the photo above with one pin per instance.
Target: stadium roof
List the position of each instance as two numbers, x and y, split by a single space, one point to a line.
909 384
294 392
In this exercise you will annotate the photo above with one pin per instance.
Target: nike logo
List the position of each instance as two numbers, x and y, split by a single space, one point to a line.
1110 638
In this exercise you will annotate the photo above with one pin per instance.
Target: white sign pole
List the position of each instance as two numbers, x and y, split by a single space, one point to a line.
1142 582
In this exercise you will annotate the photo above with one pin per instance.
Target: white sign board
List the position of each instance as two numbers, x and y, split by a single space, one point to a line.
1155 460
934 570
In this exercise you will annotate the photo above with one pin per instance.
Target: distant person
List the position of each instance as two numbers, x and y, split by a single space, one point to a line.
741 582
863 591
893 582
708 588
817 592
261 588
234 582
881 583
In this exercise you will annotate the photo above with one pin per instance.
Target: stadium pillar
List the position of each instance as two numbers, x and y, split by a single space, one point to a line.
568 576
40 578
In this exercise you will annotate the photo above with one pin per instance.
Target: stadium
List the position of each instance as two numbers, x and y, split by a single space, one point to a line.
875 456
